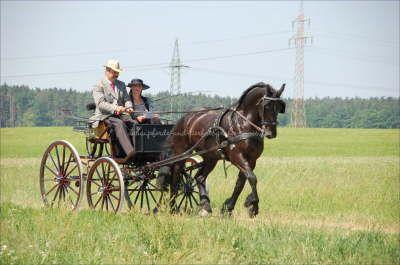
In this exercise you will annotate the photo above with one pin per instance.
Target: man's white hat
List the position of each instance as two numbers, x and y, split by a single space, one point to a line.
114 65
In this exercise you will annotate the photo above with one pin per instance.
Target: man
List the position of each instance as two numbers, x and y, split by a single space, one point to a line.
141 104
114 107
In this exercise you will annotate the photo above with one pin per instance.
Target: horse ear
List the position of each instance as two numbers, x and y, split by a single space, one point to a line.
279 93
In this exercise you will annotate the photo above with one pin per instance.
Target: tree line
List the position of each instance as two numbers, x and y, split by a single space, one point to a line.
23 106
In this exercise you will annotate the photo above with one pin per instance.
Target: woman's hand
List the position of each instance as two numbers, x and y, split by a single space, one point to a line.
140 118
119 110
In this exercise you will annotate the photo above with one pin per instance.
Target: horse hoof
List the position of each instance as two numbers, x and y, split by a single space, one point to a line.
203 213
225 211
253 211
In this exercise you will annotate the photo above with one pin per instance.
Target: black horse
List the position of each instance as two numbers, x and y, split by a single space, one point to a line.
244 125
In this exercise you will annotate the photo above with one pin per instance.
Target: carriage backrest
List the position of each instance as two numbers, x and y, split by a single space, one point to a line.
151 138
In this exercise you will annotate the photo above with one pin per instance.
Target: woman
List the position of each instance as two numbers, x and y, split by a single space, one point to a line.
141 106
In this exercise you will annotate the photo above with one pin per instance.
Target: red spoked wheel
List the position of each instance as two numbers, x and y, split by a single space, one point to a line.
187 197
105 186
61 178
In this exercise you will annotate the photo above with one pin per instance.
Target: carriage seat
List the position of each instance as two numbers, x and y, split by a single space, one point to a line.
100 132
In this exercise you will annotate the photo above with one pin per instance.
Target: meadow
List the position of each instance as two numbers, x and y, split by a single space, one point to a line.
326 196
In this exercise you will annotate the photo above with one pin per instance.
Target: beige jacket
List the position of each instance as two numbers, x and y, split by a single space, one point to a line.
107 100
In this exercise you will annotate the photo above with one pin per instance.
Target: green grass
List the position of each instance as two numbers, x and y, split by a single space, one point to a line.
326 196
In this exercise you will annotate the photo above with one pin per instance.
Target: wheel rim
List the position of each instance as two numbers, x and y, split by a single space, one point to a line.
187 197
61 182
105 186
142 193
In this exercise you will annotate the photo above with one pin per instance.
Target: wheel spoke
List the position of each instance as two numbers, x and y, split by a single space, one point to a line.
194 198
108 174
94 182
54 163
112 179
115 188
180 203
77 193
64 193
60 195
70 200
54 173
132 190
95 205
66 175
104 173
106 198
58 158
98 174
47 180
147 201
190 200
112 205
154 187
63 157
186 203
114 196
51 190
69 161
137 197
102 202
141 200
152 196
55 195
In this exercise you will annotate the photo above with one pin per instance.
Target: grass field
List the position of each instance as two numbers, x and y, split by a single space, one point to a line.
326 196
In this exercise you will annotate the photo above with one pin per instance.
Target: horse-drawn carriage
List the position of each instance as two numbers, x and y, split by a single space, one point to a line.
233 133
65 176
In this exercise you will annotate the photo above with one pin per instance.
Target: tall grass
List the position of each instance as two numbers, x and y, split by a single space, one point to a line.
327 196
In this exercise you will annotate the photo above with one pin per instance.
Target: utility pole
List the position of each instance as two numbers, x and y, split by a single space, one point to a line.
175 85
299 40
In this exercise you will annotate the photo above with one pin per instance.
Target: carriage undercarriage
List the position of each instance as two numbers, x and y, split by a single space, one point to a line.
65 176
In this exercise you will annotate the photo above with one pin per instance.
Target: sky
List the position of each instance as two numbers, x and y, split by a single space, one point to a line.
226 46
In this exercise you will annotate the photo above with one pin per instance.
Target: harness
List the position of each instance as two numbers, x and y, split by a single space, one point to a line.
221 136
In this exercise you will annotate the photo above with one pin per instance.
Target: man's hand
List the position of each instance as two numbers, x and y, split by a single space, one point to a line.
141 118
119 110
129 110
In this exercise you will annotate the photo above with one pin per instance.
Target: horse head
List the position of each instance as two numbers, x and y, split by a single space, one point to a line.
263 105
270 106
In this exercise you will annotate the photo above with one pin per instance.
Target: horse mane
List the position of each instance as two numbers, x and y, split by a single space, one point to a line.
259 84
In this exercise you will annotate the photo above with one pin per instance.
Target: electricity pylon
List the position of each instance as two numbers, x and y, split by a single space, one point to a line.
175 85
299 40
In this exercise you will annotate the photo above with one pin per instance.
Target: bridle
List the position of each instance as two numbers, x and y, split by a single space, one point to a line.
262 102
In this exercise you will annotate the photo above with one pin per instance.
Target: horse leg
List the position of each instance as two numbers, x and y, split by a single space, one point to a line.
246 168
201 177
252 199
230 203
174 184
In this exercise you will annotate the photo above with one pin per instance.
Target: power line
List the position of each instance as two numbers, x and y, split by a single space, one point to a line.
241 37
289 79
159 65
237 55
199 42
228 73
347 36
353 56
